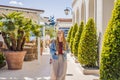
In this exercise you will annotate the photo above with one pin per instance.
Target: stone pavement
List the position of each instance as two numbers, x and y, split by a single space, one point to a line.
32 70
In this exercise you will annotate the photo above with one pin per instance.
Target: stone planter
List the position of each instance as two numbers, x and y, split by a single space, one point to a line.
89 71
29 55
76 60
86 71
14 59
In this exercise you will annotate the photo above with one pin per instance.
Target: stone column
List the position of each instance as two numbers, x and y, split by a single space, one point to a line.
104 11
77 15
107 12
38 45
83 12
73 18
87 10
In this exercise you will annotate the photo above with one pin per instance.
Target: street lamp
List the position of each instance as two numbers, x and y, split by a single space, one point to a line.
67 10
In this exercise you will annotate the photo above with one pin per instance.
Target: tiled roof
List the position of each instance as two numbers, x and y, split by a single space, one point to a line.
22 8
64 20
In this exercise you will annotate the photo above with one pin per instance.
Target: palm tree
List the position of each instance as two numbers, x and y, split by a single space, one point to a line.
16 28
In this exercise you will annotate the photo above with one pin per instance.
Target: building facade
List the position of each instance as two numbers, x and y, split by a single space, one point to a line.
100 10
64 24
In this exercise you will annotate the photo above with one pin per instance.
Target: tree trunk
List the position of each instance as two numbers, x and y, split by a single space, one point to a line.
13 41
20 40
23 42
6 40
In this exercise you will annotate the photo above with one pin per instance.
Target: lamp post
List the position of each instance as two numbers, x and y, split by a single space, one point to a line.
67 10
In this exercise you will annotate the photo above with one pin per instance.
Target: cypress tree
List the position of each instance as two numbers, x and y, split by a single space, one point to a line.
77 39
110 56
69 34
74 30
87 51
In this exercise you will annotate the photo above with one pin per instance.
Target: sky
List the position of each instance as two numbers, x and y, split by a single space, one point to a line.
52 7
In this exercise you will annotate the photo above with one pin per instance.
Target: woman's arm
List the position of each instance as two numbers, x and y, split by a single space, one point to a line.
52 48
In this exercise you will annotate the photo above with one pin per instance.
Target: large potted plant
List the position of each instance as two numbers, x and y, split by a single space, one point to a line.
15 28
87 49
110 54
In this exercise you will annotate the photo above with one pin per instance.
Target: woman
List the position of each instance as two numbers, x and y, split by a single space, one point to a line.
58 53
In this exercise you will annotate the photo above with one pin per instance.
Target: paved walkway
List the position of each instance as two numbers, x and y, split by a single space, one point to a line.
33 70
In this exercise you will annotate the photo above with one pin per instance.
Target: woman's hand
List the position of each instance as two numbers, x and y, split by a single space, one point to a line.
63 51
56 53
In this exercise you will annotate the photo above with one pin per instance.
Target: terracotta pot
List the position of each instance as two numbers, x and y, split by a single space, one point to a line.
14 59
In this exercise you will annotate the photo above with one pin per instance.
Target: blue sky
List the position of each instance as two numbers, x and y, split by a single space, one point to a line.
51 7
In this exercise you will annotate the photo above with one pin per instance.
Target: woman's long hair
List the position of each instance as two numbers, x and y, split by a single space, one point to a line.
63 41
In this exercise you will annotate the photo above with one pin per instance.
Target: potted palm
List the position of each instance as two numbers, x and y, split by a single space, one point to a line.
15 28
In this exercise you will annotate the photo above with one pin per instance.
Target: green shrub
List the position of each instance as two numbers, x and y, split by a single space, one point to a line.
69 34
87 51
77 39
1 58
110 56
74 30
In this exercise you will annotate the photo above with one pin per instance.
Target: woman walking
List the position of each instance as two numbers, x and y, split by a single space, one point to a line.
58 52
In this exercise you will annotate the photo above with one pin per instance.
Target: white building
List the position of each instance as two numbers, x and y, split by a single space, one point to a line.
100 10
64 24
